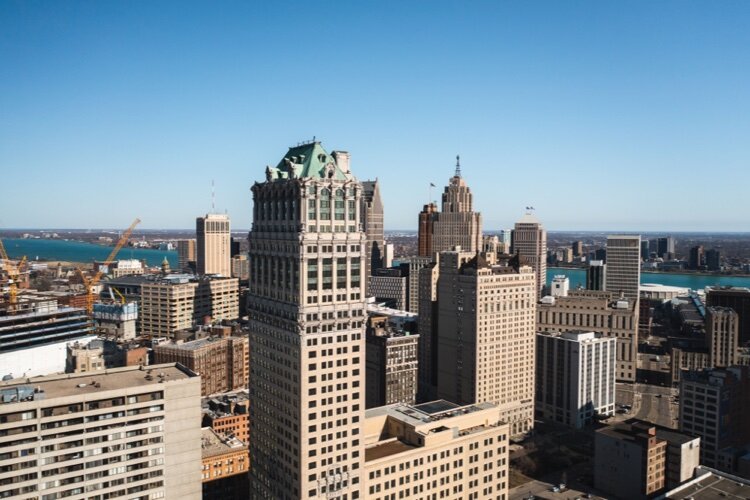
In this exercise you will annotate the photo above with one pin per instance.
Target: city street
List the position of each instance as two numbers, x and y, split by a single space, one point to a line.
650 403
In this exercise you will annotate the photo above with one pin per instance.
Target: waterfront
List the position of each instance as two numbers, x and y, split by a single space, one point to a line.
693 281
77 251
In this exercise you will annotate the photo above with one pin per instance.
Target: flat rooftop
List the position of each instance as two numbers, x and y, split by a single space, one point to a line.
712 486
426 412
213 445
386 449
86 384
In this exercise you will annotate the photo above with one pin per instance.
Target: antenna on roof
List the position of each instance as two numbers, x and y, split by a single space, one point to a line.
213 197
458 166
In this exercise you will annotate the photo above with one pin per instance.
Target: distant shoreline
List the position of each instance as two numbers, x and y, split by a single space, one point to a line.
668 273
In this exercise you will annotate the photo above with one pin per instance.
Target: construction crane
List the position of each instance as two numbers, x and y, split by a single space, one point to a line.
13 271
89 283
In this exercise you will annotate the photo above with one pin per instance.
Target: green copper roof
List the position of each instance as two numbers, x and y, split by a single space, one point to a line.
307 161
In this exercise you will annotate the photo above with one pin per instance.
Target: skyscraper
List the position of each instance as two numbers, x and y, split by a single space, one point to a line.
306 307
186 254
596 275
529 240
213 244
486 335
426 221
457 224
623 265
372 223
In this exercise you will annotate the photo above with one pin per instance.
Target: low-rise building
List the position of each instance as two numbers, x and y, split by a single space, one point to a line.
436 449
630 460
229 415
226 462
223 363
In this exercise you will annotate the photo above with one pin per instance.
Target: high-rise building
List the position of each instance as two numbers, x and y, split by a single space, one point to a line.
180 302
486 335
645 250
307 312
426 220
391 285
597 312
213 245
697 258
714 405
623 266
428 322
391 359
577 247
457 224
738 299
372 223
530 242
722 328
575 377
415 264
713 260
596 275
665 247
506 239
129 432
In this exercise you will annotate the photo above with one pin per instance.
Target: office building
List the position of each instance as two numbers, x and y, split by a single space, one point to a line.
714 405
697 258
683 455
391 285
575 377
436 450
424 237
213 245
414 265
630 460
665 247
116 320
530 242
372 223
240 267
736 298
179 302
577 247
122 267
486 335
596 275
186 256
428 321
645 250
560 286
713 260
128 432
598 312
226 462
84 358
33 341
623 266
722 327
307 312
457 224
222 363
391 362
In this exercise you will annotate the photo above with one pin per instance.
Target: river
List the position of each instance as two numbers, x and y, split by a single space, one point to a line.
693 281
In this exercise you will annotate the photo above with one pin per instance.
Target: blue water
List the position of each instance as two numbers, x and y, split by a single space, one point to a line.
76 251
693 281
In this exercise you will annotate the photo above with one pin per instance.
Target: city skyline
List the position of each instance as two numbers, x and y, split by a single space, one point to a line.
160 101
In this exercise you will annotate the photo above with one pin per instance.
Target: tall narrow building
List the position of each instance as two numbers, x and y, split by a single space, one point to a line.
213 245
623 266
529 240
486 335
306 307
426 222
372 224
186 254
457 224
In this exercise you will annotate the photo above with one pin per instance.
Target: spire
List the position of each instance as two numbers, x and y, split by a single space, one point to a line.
458 166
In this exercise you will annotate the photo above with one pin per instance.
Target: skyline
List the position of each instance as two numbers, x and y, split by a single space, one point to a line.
109 109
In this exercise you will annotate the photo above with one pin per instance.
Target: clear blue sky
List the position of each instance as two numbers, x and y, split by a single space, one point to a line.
603 115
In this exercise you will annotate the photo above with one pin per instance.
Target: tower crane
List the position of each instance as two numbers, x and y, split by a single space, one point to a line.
14 271
89 283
